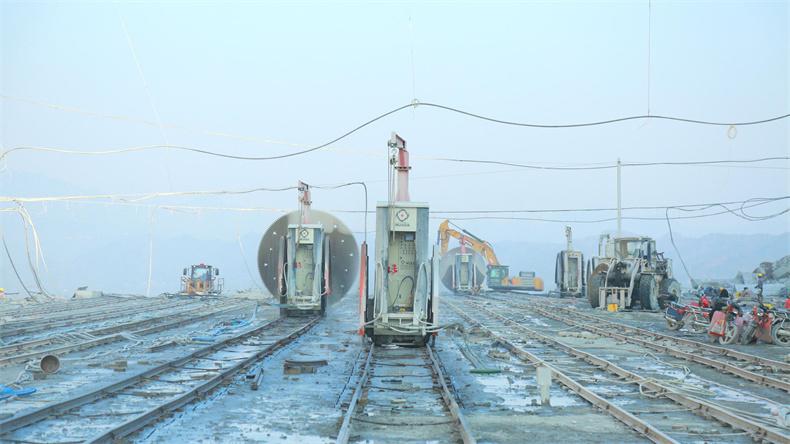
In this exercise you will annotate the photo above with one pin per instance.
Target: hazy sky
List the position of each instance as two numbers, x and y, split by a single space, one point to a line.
269 78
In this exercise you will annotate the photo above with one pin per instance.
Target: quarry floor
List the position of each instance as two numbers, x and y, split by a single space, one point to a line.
501 403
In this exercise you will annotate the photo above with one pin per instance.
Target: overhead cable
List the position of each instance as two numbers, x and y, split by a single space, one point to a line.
138 197
614 165
750 203
602 122
415 104
582 210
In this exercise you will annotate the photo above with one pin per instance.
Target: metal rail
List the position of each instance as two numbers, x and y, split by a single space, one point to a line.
105 315
32 417
61 350
713 363
735 354
17 346
698 406
43 309
618 413
447 396
195 393
449 400
88 310
345 428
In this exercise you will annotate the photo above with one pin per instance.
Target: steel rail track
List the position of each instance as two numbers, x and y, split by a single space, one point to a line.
635 423
115 389
462 425
47 308
60 315
102 316
698 406
735 354
16 346
28 310
345 429
115 337
720 351
614 332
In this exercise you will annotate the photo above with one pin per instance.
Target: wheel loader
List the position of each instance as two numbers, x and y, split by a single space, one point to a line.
630 273
201 280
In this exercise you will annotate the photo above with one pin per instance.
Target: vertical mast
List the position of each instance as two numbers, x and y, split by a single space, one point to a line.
304 202
569 238
400 162
619 201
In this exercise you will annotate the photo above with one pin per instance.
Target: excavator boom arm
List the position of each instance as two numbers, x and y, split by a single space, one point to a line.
470 240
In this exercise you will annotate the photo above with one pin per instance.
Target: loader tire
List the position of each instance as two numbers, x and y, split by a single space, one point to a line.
595 282
648 292
559 272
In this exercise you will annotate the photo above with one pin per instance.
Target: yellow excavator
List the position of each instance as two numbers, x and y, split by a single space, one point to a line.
497 275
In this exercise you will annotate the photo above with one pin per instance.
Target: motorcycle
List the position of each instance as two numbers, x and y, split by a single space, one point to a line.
780 328
724 323
679 315
758 327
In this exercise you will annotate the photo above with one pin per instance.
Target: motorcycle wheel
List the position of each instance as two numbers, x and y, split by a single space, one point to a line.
730 333
673 324
698 328
779 339
747 337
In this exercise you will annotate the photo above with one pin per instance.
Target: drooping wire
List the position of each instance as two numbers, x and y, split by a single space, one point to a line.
140 197
247 265
13 267
750 203
644 207
416 104
364 187
601 122
677 251
28 226
612 166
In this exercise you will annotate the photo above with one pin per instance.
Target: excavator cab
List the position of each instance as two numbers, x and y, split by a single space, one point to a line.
498 275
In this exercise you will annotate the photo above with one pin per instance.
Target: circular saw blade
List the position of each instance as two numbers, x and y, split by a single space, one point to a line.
448 260
344 250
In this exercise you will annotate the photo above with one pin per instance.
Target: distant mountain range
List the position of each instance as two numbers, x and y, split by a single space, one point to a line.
709 257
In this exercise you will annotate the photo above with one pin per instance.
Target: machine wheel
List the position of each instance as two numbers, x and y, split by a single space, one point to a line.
780 339
648 292
730 334
588 272
747 335
673 324
558 273
593 285
698 328
670 289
